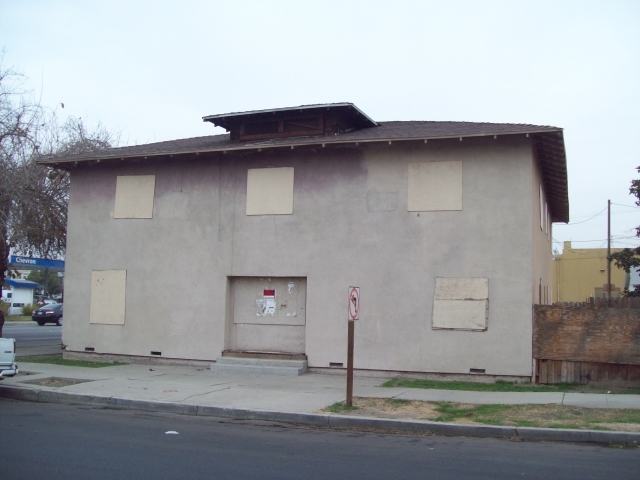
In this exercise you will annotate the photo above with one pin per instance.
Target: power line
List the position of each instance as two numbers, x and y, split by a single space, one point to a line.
619 237
581 258
591 218
621 205
622 213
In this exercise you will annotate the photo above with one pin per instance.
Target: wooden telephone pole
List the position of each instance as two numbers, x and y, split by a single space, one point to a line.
608 251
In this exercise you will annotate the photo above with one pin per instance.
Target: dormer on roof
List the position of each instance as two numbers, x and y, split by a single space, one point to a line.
302 121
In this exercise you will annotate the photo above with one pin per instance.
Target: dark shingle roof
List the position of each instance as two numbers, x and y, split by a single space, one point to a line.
385 131
356 116
548 143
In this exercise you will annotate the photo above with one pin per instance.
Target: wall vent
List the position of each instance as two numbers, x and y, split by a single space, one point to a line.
89 349
153 352
335 364
476 370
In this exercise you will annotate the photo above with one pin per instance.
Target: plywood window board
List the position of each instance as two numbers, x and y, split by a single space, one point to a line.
461 304
108 289
435 186
134 196
270 191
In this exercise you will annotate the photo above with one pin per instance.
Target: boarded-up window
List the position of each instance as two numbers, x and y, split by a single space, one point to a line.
108 297
546 219
270 191
134 196
461 304
435 186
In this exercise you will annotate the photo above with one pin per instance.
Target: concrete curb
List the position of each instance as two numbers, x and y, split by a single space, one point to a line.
326 420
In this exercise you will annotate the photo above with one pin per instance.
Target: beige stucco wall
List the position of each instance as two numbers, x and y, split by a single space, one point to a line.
542 257
350 226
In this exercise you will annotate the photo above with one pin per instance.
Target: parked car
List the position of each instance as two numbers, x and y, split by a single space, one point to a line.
51 313
44 301
8 366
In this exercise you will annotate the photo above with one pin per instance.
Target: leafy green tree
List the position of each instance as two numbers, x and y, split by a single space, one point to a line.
629 258
53 283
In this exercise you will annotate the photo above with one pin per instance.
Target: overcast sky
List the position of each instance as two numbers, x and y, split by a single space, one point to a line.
152 69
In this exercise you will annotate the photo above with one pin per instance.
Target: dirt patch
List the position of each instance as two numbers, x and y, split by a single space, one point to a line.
57 382
548 416
619 427
391 408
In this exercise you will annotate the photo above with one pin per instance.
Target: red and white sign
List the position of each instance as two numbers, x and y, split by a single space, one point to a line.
354 303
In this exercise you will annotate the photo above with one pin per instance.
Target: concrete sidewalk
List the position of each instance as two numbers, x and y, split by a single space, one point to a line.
197 390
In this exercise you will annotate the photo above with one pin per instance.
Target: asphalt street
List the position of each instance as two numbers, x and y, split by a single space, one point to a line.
67 442
32 339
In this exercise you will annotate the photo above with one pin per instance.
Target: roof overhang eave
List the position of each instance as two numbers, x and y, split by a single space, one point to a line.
550 152
315 141
221 119
549 144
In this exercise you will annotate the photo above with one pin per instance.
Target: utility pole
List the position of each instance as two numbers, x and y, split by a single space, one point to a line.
608 251
46 282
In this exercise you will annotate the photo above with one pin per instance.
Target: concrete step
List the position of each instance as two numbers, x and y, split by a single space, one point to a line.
263 362
264 355
261 366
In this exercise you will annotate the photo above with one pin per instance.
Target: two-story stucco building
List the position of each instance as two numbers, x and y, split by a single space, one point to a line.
444 226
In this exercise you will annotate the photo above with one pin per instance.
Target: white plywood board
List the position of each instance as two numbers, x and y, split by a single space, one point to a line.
461 288
270 191
286 307
460 314
435 186
134 196
108 289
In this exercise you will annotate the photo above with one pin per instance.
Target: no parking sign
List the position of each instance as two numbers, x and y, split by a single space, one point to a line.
354 303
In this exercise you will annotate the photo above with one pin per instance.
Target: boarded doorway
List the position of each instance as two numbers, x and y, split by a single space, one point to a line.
268 315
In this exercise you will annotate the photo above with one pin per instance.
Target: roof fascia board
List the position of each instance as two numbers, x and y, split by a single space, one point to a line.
209 118
323 141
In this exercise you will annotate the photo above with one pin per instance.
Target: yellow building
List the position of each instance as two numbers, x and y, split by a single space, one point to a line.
580 273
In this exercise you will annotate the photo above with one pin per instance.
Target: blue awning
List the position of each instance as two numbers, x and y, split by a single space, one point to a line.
21 283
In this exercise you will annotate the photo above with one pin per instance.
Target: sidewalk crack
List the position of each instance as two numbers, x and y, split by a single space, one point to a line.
562 402
204 393
223 383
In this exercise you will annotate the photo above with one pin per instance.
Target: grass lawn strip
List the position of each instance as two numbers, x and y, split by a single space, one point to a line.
541 416
18 318
502 386
340 407
57 359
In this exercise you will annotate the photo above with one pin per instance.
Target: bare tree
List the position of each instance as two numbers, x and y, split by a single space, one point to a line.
34 199
39 219
20 120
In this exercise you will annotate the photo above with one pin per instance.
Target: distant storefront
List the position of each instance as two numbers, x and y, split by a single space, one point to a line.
581 273
21 294
21 268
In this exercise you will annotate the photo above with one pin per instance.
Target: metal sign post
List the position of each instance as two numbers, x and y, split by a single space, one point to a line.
354 314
